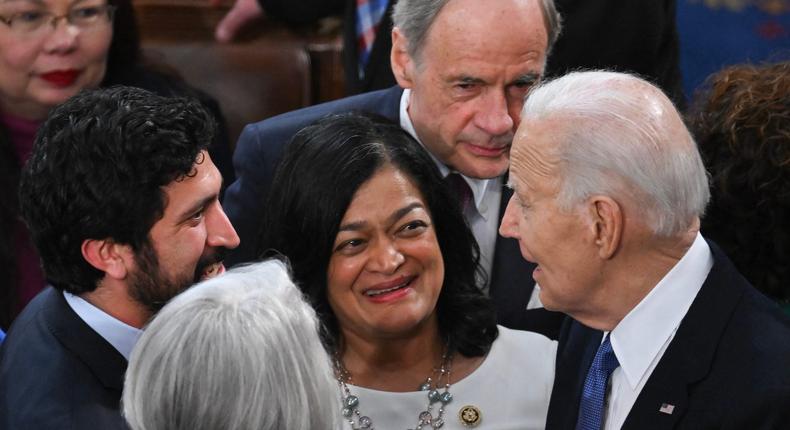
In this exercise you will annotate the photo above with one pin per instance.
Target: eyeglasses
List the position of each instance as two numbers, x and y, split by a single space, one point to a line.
34 23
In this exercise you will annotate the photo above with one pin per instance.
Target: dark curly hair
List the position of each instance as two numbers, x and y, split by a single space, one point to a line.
321 170
741 121
98 169
122 56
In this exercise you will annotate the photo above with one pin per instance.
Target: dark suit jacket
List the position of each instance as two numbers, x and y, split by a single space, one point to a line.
638 36
57 373
377 71
728 366
258 152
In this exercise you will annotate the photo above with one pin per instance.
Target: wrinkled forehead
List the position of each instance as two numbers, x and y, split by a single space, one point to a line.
534 154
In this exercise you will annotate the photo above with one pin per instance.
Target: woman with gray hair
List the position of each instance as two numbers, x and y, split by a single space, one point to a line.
235 352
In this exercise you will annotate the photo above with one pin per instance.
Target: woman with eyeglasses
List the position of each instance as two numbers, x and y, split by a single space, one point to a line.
49 51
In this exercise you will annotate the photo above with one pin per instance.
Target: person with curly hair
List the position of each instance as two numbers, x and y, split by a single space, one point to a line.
49 51
741 121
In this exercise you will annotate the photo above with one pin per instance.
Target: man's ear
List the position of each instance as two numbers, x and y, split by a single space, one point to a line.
403 66
111 258
607 225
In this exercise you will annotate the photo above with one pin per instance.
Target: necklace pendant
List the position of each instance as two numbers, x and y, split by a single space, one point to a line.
425 417
433 395
365 422
352 401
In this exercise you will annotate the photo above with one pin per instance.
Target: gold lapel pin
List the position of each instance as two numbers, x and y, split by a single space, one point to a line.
470 416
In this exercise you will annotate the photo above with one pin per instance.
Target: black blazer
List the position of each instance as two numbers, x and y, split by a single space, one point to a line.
728 366
259 151
57 373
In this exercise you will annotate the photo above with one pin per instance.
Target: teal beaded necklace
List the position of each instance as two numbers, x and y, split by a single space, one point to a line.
432 387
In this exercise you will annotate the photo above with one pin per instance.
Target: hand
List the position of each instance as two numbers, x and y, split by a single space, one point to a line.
242 13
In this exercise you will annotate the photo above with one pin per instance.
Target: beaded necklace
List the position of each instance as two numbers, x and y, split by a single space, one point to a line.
425 419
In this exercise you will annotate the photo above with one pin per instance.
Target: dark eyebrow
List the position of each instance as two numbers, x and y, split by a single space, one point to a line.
527 79
197 206
37 2
468 80
398 214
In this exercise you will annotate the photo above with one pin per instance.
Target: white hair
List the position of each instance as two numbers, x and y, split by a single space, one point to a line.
239 351
618 134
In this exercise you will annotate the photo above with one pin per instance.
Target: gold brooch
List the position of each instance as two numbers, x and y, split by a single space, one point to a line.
470 416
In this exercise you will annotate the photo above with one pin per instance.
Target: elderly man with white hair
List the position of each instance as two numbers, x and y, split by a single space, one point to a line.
609 189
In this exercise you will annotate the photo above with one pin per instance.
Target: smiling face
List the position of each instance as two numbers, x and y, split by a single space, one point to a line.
469 83
560 242
41 70
386 269
187 244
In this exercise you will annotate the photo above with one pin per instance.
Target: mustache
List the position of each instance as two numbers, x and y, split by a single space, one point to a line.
215 256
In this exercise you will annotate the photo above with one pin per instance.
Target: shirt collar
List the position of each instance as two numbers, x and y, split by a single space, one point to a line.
479 187
660 313
121 336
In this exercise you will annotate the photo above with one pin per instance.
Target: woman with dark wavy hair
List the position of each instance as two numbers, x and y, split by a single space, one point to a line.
742 126
380 247
49 51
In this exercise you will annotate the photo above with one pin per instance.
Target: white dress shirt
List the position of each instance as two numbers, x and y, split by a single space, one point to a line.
640 339
120 335
483 218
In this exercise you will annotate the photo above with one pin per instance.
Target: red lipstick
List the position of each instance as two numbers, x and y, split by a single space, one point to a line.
61 78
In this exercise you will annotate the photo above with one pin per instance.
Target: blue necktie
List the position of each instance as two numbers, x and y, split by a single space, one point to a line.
594 393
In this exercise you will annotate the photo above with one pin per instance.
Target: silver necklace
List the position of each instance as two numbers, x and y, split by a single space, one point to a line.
432 387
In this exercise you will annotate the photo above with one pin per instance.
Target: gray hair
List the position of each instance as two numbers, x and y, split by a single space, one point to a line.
239 351
623 136
415 17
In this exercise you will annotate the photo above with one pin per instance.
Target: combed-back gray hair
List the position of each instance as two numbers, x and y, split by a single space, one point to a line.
415 17
240 351
619 135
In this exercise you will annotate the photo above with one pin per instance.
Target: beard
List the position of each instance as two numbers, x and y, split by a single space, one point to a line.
151 287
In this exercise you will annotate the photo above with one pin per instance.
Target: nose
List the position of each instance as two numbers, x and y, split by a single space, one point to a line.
385 257
509 225
494 116
63 37
219 230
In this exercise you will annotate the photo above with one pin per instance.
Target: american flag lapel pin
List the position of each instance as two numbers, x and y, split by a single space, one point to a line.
666 408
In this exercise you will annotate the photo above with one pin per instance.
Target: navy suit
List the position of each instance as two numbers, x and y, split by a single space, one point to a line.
258 152
57 373
728 366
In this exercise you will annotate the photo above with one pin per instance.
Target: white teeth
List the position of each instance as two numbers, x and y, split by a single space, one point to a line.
211 271
378 292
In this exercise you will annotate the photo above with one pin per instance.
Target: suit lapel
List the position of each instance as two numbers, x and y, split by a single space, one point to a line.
104 361
576 350
689 357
